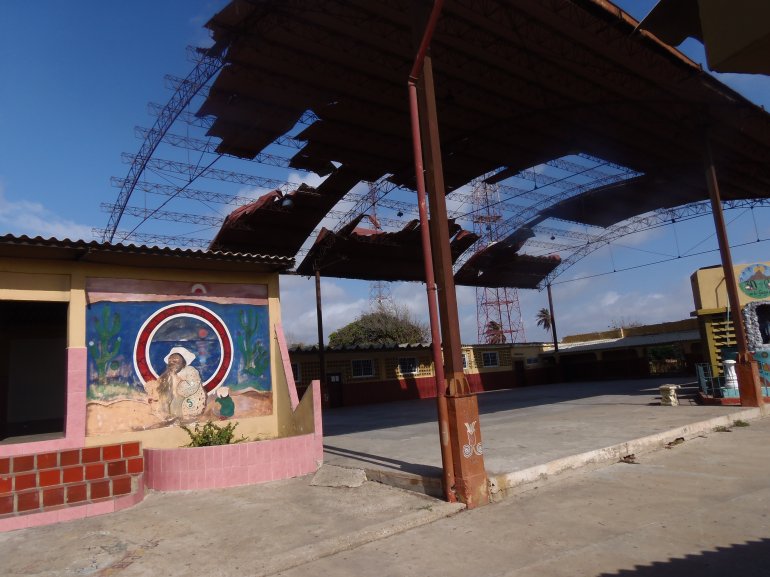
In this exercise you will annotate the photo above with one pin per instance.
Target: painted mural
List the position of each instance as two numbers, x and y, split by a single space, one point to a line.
754 281
763 361
161 354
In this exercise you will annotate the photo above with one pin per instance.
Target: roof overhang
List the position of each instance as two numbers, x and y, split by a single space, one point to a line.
517 83
38 248
736 34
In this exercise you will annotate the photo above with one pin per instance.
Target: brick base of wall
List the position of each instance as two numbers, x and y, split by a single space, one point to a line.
44 488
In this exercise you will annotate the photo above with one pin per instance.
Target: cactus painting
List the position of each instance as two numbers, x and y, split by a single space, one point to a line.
255 356
105 347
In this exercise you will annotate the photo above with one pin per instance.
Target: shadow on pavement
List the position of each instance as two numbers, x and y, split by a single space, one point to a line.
402 466
749 558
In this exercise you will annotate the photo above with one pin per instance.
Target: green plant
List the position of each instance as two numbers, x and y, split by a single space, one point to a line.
494 333
383 326
210 435
741 423
103 351
255 356
722 429
544 319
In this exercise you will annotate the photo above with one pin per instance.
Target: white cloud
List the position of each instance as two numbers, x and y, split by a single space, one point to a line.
342 302
309 178
609 299
24 217
597 314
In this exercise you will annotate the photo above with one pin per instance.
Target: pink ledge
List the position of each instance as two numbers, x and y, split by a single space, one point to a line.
189 468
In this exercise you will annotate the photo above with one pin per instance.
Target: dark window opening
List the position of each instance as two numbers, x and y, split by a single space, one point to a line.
33 368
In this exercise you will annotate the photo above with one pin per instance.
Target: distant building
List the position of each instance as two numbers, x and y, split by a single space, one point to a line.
361 375
716 326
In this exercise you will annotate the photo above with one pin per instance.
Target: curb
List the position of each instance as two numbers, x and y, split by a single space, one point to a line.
326 547
508 484
430 486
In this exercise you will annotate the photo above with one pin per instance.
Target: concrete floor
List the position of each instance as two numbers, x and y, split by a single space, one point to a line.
700 507
520 428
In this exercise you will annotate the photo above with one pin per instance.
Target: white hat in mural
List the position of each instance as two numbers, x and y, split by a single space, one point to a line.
186 355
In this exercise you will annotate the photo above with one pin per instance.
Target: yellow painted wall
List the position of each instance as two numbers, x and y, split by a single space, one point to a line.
65 281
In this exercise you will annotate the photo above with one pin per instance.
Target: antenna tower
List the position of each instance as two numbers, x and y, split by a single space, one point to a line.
497 309
380 296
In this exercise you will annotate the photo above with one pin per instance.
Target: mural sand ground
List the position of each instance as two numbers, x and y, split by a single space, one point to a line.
137 415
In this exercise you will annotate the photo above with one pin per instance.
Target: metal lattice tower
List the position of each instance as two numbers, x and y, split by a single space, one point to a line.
497 309
380 296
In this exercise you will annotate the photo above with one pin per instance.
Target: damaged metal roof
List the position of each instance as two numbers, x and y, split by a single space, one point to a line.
518 82
371 254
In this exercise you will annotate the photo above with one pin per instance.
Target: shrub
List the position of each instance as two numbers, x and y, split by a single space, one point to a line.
210 435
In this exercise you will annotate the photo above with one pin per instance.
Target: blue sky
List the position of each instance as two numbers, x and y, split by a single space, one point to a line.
77 77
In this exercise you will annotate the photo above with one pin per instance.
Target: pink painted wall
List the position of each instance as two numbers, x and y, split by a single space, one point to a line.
239 464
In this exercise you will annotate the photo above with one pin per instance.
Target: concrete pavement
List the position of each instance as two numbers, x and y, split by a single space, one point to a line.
700 508
528 433
342 524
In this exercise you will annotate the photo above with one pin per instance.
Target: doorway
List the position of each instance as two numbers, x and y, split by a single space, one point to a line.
33 368
334 384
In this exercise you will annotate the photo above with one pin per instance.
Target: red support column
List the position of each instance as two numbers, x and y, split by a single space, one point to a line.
464 425
462 450
746 368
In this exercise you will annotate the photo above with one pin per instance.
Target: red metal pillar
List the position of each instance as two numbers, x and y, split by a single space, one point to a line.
464 433
464 428
447 480
746 368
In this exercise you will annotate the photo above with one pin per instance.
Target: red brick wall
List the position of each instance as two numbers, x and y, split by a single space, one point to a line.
44 481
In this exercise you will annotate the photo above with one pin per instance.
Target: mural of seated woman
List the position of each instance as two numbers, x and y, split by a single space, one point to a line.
178 392
189 398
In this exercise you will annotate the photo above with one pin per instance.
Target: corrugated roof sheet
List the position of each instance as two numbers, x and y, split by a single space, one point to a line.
120 254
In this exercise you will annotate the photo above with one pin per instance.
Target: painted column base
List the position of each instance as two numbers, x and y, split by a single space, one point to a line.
467 450
749 383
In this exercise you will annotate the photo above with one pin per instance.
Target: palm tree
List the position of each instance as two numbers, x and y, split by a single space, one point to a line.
544 319
494 333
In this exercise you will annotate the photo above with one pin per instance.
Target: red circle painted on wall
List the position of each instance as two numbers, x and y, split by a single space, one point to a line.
142 363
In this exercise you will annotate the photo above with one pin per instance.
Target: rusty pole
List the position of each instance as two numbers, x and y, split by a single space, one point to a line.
447 480
430 287
321 350
746 368
462 406
553 322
